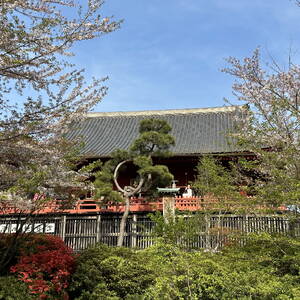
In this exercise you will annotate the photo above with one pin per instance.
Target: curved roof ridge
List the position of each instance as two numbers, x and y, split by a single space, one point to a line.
165 112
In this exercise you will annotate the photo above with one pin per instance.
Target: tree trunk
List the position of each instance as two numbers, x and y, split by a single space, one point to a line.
123 222
130 191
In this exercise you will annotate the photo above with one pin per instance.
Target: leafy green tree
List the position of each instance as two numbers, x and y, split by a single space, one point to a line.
213 178
214 182
154 140
219 189
181 231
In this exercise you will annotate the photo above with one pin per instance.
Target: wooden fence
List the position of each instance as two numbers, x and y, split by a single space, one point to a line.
81 231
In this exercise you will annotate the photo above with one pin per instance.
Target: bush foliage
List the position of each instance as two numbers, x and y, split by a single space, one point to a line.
264 267
112 273
13 289
45 264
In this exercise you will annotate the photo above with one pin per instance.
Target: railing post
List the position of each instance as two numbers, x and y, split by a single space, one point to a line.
168 209
98 229
246 224
207 232
134 233
63 227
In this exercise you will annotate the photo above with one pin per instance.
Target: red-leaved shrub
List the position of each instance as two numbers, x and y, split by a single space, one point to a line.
45 264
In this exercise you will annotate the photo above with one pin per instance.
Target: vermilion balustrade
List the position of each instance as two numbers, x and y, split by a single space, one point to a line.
136 205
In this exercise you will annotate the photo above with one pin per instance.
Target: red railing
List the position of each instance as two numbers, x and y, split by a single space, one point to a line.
141 205
136 205
91 205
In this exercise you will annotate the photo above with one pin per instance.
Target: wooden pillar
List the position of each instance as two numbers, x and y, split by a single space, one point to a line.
133 231
169 208
207 232
63 221
98 229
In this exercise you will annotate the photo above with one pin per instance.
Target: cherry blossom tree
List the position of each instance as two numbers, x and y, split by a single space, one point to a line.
270 127
41 93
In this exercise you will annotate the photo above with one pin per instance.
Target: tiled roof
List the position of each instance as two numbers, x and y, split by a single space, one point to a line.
196 131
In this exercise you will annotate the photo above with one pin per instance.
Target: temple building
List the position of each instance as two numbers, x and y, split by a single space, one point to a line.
196 131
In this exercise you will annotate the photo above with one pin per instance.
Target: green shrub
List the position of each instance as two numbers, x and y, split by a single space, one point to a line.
199 275
264 268
280 252
13 289
111 273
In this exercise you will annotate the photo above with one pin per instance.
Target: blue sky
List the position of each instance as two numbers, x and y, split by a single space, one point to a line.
168 53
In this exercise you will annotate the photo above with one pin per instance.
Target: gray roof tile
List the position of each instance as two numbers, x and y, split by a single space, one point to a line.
196 131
